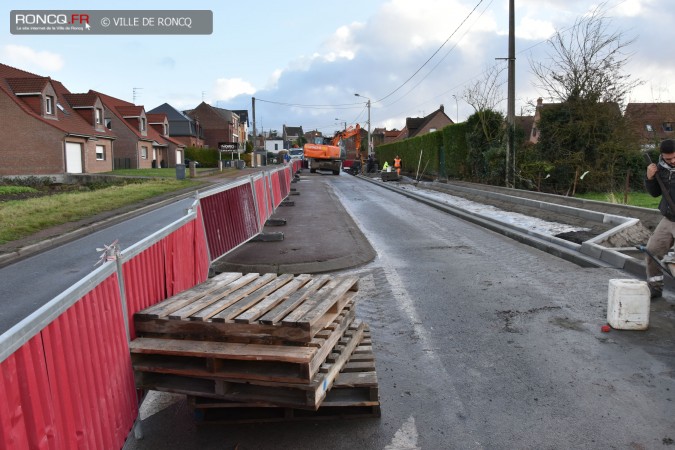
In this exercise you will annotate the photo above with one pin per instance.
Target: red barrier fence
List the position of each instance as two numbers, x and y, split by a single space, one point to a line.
71 386
230 219
65 372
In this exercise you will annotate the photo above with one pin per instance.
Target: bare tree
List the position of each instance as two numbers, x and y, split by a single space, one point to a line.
586 62
484 95
486 92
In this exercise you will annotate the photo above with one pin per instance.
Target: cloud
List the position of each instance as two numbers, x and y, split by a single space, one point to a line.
31 60
228 88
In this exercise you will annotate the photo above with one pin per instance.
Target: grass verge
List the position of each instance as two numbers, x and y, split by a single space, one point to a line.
641 199
21 218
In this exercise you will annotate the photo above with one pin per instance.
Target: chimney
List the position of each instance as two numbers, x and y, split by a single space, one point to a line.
441 108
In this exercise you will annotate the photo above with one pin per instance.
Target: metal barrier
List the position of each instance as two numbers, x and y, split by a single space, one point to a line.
66 373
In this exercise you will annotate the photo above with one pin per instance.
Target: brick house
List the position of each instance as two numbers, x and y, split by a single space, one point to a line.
417 126
243 125
138 146
290 135
220 125
381 136
651 122
182 128
47 130
167 151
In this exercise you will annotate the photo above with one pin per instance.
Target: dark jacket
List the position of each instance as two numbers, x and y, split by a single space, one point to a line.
667 174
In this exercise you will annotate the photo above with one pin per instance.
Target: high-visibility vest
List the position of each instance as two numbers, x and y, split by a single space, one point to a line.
397 162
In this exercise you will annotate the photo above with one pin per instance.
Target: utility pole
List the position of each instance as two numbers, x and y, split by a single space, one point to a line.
511 101
255 137
370 144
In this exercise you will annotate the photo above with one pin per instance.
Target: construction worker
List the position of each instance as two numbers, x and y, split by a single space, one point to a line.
658 183
397 165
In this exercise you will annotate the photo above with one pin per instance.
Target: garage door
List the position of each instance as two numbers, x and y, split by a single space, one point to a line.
73 157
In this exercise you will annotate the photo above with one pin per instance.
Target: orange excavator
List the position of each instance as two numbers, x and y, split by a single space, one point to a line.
321 156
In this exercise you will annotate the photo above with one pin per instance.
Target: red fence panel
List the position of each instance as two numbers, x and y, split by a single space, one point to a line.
184 265
144 280
276 188
262 196
27 418
229 219
173 264
71 386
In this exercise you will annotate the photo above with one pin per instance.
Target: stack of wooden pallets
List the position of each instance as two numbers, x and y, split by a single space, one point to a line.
260 347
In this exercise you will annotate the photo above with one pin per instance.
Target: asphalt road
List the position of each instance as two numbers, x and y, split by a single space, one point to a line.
28 284
480 342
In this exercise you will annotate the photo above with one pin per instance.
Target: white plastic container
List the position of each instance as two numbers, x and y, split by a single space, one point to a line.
628 304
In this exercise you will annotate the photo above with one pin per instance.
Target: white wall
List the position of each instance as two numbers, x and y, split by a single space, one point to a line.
269 145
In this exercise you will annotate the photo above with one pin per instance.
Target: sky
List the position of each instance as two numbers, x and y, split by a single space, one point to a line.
304 60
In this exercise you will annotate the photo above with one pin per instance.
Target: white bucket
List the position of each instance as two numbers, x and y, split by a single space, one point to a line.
628 304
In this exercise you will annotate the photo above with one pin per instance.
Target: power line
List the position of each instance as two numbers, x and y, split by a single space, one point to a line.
299 105
431 57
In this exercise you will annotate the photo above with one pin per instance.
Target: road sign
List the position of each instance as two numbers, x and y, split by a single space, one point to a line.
228 146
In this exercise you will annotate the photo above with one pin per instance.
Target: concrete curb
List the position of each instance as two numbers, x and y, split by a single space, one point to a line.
588 254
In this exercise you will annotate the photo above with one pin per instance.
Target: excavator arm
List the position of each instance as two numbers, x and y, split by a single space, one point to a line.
346 134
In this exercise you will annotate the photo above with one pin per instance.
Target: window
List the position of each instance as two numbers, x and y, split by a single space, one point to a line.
144 152
431 130
276 146
667 126
142 123
166 129
99 116
49 105
100 153
108 124
649 128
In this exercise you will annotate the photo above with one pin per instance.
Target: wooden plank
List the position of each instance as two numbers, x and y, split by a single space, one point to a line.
251 299
296 395
353 395
221 331
255 312
223 350
202 362
176 302
233 297
280 311
313 309
329 376
190 308
329 344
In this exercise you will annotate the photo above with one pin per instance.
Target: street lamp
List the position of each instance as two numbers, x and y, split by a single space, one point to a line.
343 121
456 106
370 144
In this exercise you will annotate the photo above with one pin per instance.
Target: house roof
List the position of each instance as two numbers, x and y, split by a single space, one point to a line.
86 100
292 131
27 85
243 115
123 109
155 118
129 110
69 121
171 112
648 119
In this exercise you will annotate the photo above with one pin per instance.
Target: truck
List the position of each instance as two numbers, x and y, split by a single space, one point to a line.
326 154
324 157
353 161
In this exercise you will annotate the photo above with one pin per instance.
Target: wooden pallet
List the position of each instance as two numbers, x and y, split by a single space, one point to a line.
354 395
250 308
295 395
286 363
